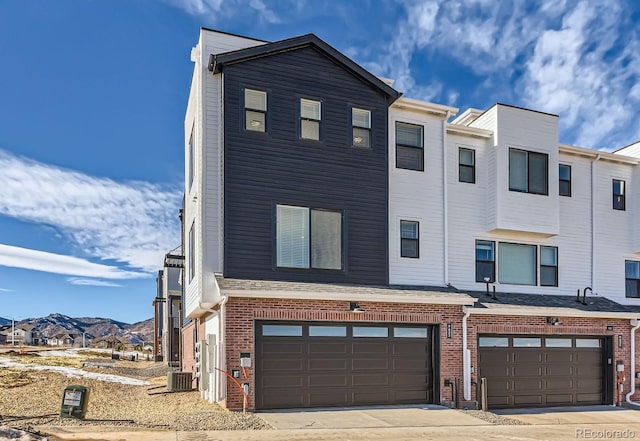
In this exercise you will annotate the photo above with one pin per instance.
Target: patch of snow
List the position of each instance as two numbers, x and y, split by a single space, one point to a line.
73 372
9 434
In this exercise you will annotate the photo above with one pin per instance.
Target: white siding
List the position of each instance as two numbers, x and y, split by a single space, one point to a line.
417 196
613 232
203 202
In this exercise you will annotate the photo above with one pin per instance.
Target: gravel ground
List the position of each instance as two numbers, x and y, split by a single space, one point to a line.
494 418
33 398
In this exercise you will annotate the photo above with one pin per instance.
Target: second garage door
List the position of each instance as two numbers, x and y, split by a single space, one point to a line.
337 364
539 371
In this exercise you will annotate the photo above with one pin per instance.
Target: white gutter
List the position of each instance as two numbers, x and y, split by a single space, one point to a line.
445 200
556 312
636 324
466 357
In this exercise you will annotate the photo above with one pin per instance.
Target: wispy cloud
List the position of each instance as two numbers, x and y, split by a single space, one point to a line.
578 59
56 263
133 223
92 282
217 10
5 290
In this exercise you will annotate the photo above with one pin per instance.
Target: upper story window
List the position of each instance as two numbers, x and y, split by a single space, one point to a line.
517 264
485 261
409 146
191 159
361 127
548 266
255 108
192 250
564 183
308 238
466 165
618 195
632 278
409 239
528 172
310 118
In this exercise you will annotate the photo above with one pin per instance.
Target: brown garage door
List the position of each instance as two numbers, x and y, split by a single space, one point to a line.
338 364
540 371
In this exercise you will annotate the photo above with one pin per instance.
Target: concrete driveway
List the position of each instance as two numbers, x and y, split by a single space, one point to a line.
369 417
574 415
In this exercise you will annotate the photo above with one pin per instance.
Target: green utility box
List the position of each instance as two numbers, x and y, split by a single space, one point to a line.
74 402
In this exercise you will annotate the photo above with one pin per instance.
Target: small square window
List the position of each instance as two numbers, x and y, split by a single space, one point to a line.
310 117
466 165
410 239
361 127
255 105
618 195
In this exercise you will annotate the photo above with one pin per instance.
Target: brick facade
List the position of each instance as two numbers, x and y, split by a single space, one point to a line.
243 312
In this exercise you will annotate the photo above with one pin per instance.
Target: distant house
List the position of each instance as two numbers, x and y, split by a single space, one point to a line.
22 334
3 339
63 339
109 342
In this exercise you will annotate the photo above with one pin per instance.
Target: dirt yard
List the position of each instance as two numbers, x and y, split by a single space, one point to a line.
31 395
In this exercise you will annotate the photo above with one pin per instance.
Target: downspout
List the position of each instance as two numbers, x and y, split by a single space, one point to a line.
632 370
445 200
222 392
466 357
593 219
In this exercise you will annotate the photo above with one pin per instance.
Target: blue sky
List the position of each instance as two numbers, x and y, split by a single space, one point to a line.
93 93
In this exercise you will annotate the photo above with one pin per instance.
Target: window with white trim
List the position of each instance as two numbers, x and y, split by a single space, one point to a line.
308 238
517 264
409 146
409 239
310 117
255 110
361 127
632 278
619 202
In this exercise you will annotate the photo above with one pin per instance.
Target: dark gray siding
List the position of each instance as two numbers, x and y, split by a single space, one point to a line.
265 169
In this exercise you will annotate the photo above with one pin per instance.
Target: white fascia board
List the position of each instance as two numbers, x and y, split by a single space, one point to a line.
467 117
424 106
436 299
469 131
600 154
555 312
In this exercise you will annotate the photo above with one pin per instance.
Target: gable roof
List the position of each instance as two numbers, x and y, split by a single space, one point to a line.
218 61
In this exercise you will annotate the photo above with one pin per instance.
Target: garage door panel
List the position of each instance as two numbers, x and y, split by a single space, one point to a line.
379 347
282 348
371 397
541 376
327 380
370 380
558 356
527 400
323 349
312 369
410 364
294 364
409 347
563 369
558 399
328 397
529 355
327 364
562 383
282 381
370 363
526 370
